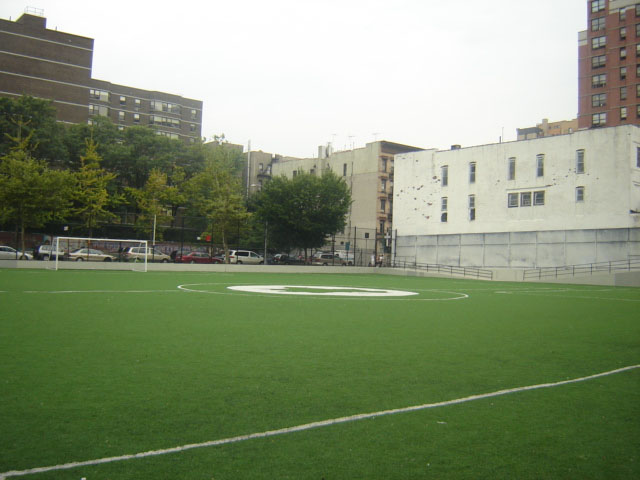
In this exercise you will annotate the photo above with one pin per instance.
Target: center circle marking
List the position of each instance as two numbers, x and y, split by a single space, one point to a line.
321 291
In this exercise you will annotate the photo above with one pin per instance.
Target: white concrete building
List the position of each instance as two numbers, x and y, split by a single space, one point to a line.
562 200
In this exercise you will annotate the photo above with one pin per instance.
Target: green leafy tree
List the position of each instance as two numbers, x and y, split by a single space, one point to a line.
31 194
33 118
93 202
216 194
154 201
303 211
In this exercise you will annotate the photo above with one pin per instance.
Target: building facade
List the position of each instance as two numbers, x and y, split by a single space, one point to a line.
554 201
609 65
369 172
57 66
547 129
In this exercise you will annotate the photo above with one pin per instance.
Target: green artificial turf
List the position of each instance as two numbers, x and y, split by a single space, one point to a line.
97 364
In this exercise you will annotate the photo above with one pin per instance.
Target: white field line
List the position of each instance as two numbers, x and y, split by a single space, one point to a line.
100 291
551 294
308 426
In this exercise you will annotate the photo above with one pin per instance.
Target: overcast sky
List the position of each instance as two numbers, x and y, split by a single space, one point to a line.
290 75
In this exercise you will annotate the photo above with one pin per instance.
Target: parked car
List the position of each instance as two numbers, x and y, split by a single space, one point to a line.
327 259
9 253
46 252
91 255
291 260
245 256
137 254
197 257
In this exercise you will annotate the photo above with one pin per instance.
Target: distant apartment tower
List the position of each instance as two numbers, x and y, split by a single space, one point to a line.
547 129
609 64
57 66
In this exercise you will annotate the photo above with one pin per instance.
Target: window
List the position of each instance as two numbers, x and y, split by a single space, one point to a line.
192 127
194 114
638 111
623 33
101 95
384 164
382 226
472 208
637 157
444 172
121 116
638 10
136 102
540 165
123 100
623 73
579 161
597 24
525 199
623 53
260 167
638 90
599 80
511 174
637 29
383 205
295 173
598 42
598 61
136 118
579 194
623 14
598 119
597 6
623 93
383 185
638 50
599 100
512 200
98 110
443 208
538 197
623 113
472 172
344 169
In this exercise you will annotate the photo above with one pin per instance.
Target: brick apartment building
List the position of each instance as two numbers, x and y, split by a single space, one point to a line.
609 64
57 66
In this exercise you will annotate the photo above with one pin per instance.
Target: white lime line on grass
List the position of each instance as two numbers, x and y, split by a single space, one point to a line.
308 426
99 291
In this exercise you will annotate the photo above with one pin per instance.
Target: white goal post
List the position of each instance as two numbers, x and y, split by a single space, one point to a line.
111 253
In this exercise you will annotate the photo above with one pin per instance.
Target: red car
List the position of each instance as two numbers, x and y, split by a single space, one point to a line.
197 257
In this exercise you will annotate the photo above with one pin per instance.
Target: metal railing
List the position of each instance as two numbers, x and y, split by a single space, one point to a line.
633 263
472 272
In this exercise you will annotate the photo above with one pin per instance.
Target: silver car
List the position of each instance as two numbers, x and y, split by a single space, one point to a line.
8 253
91 255
245 256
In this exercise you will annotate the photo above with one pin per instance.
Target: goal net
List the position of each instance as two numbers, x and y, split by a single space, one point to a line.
100 253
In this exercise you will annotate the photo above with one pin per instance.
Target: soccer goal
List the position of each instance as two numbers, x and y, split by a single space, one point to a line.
105 253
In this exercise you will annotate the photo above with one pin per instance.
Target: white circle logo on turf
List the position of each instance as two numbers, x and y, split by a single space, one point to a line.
321 291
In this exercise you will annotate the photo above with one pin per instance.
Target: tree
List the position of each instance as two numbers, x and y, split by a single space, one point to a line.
302 212
153 201
216 193
91 194
35 118
32 194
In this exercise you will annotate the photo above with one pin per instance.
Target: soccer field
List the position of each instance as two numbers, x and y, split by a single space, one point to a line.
160 375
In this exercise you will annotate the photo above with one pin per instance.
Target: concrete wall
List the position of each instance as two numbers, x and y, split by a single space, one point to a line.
520 249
